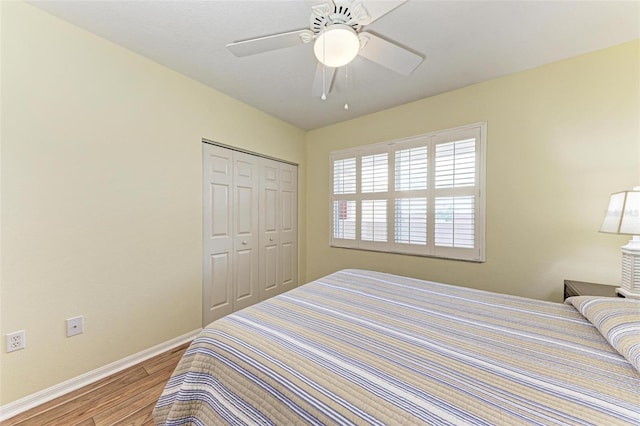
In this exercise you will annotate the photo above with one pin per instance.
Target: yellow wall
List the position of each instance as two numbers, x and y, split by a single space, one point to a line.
101 196
561 138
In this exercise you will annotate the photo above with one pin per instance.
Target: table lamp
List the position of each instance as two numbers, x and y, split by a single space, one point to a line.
623 217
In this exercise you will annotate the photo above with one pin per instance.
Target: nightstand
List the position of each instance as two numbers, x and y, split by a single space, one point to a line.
581 288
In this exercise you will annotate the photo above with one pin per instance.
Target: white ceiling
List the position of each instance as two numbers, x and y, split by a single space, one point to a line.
463 42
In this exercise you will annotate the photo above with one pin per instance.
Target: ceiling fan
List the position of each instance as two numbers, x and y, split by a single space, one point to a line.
336 30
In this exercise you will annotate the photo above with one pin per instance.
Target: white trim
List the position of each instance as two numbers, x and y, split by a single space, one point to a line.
21 405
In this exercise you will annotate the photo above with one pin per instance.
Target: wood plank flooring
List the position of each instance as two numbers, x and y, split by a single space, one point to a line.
125 398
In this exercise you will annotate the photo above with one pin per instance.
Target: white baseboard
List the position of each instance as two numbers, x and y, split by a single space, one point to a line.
14 408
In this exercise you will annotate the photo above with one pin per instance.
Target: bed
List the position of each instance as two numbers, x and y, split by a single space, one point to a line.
363 347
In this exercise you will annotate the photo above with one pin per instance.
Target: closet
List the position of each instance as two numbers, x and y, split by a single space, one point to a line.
250 249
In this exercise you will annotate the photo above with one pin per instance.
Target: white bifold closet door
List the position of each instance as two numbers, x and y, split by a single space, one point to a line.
250 230
278 227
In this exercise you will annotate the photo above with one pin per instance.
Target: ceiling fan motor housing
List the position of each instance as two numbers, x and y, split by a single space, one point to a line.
328 14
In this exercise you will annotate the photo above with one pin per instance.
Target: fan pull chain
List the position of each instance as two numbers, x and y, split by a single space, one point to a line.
324 93
346 86
324 69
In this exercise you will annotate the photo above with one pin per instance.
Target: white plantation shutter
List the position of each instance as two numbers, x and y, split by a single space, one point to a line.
422 195
375 173
411 168
455 221
411 221
344 176
410 214
456 164
344 219
374 220
344 203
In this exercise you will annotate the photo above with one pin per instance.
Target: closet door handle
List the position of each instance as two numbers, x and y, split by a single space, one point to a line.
244 243
270 238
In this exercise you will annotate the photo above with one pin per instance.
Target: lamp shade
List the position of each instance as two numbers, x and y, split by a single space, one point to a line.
337 45
623 213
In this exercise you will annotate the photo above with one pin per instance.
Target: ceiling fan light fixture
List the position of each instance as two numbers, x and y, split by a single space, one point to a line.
337 45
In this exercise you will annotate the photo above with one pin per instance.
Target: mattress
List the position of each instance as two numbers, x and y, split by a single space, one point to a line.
363 347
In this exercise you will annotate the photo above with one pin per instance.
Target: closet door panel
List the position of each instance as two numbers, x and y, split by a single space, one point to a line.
269 236
269 210
246 230
287 265
270 264
269 244
243 287
217 271
244 215
220 272
288 235
220 207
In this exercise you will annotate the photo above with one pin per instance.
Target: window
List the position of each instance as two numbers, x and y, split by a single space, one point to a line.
422 195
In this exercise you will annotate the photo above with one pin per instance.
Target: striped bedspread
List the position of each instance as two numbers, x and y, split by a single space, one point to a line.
361 347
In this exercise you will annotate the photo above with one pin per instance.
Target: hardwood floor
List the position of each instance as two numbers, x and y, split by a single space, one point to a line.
125 398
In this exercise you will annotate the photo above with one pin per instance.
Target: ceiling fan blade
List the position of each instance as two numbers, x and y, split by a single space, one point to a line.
388 54
268 43
377 9
329 74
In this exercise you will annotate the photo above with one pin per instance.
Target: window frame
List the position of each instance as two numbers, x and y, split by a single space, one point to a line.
478 131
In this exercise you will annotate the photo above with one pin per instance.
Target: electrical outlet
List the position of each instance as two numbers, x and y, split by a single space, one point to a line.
16 341
75 326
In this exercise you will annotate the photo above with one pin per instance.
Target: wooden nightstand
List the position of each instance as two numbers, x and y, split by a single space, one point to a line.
581 288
